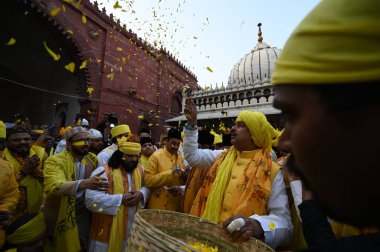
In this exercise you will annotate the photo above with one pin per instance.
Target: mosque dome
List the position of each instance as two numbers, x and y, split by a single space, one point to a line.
255 67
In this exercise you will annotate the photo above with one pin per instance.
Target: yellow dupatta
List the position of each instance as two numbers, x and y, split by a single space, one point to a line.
34 187
60 169
116 235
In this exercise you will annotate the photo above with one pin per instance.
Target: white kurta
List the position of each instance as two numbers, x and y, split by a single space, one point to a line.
277 206
109 204
105 154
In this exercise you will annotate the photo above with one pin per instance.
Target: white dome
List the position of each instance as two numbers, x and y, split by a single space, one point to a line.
256 66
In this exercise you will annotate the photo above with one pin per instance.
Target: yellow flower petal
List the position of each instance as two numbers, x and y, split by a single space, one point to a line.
83 65
140 117
70 31
209 69
110 75
90 90
84 19
70 67
55 56
116 5
121 69
55 11
119 49
150 124
129 110
272 226
11 41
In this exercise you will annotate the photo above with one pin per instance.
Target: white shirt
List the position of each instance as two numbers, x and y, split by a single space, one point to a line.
60 146
105 154
277 206
109 204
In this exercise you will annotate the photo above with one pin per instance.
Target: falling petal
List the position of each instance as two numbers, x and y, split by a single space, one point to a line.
119 49
84 19
90 90
110 75
83 65
55 56
121 69
11 41
70 67
129 110
117 5
209 69
140 117
150 124
70 31
55 11
207 88
94 205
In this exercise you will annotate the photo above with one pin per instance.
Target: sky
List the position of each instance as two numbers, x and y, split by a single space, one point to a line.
208 36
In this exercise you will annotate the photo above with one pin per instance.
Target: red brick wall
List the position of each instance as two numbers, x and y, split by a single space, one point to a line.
157 77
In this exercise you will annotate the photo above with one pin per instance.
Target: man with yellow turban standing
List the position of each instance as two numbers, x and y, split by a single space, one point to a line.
114 209
117 132
66 177
242 181
327 81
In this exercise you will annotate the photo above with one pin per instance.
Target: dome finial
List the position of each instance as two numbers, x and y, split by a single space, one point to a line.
260 39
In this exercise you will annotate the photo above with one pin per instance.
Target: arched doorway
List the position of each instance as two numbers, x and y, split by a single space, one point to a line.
32 82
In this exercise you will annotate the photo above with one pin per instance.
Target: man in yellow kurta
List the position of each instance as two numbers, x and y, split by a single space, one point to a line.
114 209
163 175
242 181
28 227
66 178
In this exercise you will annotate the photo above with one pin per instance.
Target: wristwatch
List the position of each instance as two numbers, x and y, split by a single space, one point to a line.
190 127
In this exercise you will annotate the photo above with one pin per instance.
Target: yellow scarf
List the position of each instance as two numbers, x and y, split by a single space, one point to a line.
59 169
34 188
116 235
144 160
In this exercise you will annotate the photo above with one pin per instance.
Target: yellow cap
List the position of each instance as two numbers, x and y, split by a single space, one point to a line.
120 130
3 130
337 43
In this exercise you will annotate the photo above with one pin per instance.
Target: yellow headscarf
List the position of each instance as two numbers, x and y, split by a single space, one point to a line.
337 43
3 130
258 127
120 130
130 148
217 138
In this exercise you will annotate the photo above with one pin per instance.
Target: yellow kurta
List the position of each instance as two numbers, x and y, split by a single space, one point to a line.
242 160
158 174
9 193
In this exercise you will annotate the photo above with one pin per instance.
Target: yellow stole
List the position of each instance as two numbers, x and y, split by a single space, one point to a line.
112 229
34 187
251 198
66 236
144 160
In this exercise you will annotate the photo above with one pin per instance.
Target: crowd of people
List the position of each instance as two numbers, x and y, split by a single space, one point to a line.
310 187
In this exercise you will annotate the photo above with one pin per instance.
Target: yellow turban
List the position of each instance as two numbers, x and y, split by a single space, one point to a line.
3 130
29 231
130 148
337 43
120 130
258 127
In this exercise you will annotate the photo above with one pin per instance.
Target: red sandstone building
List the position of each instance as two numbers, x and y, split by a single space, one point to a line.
53 53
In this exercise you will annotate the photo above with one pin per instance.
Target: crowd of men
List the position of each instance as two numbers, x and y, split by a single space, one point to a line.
316 192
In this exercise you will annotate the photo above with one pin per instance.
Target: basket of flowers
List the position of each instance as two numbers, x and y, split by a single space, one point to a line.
158 230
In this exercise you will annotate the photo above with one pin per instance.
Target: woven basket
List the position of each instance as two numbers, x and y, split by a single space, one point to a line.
158 230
